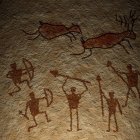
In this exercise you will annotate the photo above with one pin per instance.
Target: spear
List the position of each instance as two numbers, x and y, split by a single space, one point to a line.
109 64
101 96
55 74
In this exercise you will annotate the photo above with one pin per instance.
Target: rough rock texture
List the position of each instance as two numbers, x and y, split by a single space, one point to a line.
95 17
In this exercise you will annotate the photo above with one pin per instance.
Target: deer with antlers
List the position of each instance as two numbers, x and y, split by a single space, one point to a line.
109 40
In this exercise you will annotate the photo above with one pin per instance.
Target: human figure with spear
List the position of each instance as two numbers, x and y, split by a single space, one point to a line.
73 98
112 103
33 105
132 79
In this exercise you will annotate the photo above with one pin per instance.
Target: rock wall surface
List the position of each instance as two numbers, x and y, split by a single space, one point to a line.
94 17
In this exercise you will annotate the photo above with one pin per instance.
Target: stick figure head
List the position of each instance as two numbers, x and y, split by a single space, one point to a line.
73 89
32 95
111 94
13 65
129 67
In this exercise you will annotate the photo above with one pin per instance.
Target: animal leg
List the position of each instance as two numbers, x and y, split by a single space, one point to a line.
79 53
124 48
73 36
32 125
138 91
34 37
128 43
11 93
69 37
30 33
88 55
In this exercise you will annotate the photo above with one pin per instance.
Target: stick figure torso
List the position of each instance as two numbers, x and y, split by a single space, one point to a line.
132 78
34 106
73 100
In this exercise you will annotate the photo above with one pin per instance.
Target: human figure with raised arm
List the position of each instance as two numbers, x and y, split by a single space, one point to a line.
112 103
73 101
132 78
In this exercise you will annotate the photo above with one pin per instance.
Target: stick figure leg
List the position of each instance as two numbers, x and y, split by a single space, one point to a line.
18 89
138 91
109 117
32 125
115 123
77 120
127 96
44 112
70 120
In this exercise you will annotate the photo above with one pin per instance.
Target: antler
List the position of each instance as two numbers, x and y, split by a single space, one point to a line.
127 20
133 18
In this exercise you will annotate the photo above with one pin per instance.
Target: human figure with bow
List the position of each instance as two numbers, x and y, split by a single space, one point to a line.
33 105
16 75
112 103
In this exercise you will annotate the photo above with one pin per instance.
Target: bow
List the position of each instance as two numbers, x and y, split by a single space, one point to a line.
30 69
48 97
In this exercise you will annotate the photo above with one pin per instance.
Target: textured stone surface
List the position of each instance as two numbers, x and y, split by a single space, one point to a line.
94 18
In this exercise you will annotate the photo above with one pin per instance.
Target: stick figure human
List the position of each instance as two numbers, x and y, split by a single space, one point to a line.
112 103
33 105
73 101
16 75
132 78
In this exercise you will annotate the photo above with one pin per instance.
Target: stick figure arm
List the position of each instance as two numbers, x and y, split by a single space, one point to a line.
103 94
86 88
119 106
121 72
64 86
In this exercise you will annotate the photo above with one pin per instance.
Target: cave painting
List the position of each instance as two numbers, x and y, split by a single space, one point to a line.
51 31
109 40
73 98
15 74
132 79
33 105
112 103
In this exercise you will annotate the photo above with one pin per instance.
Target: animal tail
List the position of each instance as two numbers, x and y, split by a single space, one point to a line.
30 33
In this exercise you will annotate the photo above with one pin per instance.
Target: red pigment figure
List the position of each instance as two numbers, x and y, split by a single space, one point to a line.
132 79
33 105
51 31
112 103
109 40
16 75
73 98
